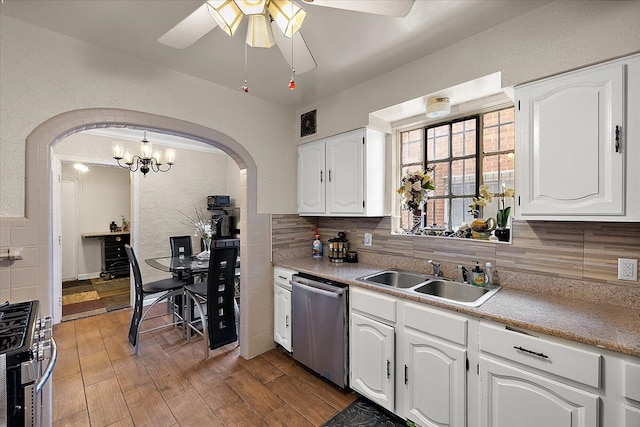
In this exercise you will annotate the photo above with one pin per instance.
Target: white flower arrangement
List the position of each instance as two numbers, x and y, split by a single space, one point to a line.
414 188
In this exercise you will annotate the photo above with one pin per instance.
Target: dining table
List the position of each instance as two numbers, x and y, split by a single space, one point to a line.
187 266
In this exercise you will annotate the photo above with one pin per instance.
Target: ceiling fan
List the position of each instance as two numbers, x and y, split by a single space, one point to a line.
270 22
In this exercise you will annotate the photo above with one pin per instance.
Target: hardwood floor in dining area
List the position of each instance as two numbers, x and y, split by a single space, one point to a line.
99 381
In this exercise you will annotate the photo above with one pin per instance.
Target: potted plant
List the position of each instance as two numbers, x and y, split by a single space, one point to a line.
502 218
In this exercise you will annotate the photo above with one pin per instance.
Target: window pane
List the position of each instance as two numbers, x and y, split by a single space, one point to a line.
507 137
437 213
507 115
490 141
497 169
460 214
491 119
438 143
463 177
440 178
412 147
463 138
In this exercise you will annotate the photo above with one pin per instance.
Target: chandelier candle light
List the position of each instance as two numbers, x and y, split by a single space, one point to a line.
147 161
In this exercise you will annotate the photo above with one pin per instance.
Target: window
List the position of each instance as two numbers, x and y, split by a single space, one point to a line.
464 153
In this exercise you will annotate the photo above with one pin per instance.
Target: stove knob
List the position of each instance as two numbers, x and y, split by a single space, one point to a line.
45 322
44 350
44 334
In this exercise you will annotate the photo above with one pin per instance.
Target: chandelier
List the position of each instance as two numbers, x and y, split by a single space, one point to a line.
287 15
149 160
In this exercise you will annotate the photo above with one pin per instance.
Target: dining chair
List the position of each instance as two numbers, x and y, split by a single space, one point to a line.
163 290
215 302
181 246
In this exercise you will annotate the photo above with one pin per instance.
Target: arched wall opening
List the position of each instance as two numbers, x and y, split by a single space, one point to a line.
256 319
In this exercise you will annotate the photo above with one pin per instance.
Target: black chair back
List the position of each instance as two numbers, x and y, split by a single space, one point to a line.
181 245
136 313
220 294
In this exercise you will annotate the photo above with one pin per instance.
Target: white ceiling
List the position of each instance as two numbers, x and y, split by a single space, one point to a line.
349 47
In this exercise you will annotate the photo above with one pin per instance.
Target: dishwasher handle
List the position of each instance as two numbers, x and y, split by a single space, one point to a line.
329 293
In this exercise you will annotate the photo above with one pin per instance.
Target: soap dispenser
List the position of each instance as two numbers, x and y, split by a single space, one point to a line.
316 247
478 275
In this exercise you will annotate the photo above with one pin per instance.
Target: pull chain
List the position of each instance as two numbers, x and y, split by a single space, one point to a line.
244 87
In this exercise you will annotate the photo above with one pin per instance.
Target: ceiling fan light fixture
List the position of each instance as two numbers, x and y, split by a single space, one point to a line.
287 15
252 7
438 107
259 32
226 13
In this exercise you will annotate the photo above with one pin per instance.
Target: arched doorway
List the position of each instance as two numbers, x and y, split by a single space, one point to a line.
256 321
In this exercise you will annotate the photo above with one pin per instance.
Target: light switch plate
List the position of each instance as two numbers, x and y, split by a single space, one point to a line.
628 269
367 239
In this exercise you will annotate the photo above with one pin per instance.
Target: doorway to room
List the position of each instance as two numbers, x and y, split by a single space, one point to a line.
95 270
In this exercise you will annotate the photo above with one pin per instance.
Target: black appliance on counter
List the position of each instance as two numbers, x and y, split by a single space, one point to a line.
27 356
225 216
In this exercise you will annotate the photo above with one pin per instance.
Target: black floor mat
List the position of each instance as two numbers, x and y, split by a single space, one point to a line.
362 413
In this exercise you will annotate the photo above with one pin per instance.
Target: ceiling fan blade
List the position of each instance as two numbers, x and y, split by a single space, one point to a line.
302 59
190 29
399 8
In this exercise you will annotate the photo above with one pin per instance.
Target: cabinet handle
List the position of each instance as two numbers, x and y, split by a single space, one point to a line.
406 374
286 321
388 369
321 180
531 352
282 277
329 175
617 139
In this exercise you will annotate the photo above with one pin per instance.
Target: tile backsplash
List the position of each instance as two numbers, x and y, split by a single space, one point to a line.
570 258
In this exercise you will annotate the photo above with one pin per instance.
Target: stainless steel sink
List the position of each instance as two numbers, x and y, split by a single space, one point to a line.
433 287
396 278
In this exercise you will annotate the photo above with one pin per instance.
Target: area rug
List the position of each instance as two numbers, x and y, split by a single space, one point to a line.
84 298
362 413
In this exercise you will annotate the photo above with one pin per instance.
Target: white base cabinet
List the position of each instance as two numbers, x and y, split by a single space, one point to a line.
372 359
515 397
282 307
439 368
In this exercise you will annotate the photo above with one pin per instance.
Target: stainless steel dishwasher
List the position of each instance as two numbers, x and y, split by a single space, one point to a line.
319 326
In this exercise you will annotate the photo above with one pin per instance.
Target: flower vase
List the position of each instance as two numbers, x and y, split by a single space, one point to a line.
207 246
417 221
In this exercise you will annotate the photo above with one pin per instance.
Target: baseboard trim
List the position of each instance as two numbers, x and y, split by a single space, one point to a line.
88 276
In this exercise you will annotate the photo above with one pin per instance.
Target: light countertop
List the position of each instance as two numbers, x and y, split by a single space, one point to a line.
607 326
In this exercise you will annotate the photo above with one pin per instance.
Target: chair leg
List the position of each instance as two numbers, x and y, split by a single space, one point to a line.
203 320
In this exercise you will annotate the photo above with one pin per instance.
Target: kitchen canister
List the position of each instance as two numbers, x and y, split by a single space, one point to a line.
352 256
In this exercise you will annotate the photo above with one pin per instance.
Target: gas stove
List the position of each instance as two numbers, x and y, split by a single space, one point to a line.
25 344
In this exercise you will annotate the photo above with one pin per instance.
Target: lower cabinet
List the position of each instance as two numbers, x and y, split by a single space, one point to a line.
512 396
282 307
434 381
372 359
436 368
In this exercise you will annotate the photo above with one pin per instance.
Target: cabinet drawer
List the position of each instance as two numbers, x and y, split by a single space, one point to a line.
549 356
631 377
282 277
437 323
373 303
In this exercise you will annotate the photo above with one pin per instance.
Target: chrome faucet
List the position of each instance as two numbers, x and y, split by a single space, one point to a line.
436 267
463 269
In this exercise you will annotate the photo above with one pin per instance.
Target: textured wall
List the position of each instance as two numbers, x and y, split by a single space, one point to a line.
553 38
44 74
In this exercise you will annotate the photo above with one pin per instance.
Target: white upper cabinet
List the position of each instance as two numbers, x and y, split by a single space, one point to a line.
575 144
342 175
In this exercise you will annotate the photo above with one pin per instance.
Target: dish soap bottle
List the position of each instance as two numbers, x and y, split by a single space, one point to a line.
478 275
316 247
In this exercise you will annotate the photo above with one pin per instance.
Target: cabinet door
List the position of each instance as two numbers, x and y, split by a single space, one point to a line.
345 173
372 348
567 162
311 178
282 317
514 397
435 381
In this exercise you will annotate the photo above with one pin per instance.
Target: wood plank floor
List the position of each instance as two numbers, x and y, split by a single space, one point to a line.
99 381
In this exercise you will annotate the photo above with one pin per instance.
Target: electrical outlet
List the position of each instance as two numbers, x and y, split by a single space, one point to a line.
628 269
367 239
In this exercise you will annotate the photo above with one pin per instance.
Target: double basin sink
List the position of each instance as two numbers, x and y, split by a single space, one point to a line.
433 287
